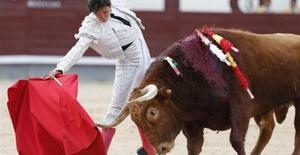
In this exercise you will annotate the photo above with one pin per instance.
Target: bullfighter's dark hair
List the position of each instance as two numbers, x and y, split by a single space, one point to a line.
95 5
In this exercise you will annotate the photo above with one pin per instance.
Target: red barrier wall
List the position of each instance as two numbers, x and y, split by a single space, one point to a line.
50 31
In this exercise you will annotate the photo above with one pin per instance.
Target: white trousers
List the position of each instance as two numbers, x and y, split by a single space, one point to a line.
129 73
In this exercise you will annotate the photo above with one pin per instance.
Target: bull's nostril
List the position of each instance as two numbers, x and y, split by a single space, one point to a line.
165 147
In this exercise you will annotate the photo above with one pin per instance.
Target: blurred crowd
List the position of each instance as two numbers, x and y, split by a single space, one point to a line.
263 6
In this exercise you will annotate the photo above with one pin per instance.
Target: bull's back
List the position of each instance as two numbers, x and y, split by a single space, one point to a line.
270 63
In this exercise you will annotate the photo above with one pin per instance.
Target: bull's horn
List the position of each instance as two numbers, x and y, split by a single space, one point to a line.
121 116
148 93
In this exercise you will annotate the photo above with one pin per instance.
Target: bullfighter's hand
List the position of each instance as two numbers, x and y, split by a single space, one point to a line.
52 74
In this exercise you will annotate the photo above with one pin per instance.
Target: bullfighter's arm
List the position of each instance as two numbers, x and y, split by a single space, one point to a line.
118 3
121 6
74 54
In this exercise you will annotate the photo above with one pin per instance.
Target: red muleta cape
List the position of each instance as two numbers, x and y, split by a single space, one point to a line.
49 121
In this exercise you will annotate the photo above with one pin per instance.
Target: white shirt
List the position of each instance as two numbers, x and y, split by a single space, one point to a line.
106 38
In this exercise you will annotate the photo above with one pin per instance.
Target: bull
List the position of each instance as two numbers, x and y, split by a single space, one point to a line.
210 97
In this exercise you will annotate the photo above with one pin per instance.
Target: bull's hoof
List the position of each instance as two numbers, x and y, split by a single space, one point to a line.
141 151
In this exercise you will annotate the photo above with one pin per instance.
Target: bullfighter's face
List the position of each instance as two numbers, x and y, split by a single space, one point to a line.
158 118
103 13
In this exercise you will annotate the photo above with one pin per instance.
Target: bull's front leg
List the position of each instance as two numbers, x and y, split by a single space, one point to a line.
240 109
194 135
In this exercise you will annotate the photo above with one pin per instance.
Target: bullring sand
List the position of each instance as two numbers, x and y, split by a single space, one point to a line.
94 97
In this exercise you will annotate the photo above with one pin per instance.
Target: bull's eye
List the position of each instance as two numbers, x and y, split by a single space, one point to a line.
152 114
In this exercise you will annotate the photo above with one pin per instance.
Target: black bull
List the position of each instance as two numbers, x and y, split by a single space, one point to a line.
164 103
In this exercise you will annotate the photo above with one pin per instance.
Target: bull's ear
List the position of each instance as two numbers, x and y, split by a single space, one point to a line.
165 93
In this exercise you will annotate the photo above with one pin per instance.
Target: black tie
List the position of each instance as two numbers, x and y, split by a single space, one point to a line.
124 21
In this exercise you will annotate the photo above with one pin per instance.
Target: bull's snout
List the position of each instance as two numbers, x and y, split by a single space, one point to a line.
164 147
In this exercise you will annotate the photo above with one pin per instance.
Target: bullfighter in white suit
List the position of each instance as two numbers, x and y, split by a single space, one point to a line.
113 31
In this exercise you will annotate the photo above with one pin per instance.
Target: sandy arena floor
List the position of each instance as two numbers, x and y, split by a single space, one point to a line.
95 96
